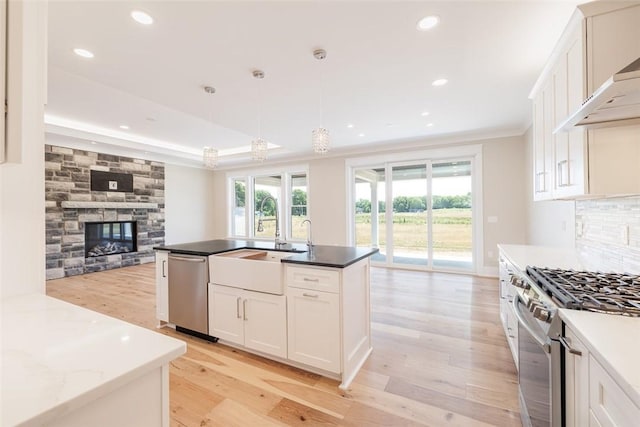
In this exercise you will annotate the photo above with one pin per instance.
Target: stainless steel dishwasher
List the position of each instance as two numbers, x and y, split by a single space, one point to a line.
188 278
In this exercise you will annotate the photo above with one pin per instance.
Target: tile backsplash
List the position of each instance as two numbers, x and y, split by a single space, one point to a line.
608 234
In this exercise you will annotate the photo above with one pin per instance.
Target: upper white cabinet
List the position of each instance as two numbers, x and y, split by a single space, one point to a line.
600 39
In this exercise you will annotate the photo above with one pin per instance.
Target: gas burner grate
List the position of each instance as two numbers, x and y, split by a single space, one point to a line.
594 291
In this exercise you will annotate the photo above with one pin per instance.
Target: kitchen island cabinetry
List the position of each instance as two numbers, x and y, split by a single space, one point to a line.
329 325
162 286
313 318
255 320
599 41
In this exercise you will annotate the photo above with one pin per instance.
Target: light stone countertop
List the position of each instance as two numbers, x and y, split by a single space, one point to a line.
614 340
541 256
57 357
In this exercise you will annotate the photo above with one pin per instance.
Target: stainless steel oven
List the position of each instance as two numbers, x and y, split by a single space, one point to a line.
540 359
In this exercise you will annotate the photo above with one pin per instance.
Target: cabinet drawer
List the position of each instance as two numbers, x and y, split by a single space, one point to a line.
608 402
313 278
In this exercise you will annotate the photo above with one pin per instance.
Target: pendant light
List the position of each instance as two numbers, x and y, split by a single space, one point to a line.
259 145
209 154
320 136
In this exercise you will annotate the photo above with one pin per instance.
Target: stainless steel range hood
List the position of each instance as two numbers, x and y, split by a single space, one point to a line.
615 103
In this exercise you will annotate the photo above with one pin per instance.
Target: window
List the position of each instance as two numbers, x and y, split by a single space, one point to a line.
238 215
258 200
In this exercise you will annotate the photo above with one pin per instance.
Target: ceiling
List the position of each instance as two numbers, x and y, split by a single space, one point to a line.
377 76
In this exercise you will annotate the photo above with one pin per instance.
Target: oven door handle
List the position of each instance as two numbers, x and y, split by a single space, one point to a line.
541 340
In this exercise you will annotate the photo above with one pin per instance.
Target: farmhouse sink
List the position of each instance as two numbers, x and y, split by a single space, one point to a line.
250 269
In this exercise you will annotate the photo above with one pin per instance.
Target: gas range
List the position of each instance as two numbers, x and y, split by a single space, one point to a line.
610 293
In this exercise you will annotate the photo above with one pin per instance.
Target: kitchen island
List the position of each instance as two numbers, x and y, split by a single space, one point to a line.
64 365
306 309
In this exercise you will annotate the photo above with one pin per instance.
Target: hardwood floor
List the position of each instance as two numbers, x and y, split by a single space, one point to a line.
440 358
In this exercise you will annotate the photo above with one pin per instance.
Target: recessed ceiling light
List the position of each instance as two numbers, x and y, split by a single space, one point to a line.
440 82
361 135
350 126
83 52
151 119
93 143
429 125
427 23
125 127
424 113
142 17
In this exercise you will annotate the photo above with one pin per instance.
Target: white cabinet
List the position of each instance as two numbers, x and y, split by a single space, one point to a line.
162 286
314 328
600 39
255 320
576 382
543 146
592 397
608 403
328 318
507 315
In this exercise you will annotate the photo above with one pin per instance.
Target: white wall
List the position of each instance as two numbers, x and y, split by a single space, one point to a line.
503 195
550 223
190 204
22 235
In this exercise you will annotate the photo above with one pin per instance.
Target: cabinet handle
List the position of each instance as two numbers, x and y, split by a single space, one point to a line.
567 345
306 279
540 182
244 309
563 172
164 262
310 295
238 307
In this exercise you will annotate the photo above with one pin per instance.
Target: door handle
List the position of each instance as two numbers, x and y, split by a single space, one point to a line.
238 307
164 263
187 259
565 344
244 309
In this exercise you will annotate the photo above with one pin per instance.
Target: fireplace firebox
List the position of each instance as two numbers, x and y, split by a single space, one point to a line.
109 238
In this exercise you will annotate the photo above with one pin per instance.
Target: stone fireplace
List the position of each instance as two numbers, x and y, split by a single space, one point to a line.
119 228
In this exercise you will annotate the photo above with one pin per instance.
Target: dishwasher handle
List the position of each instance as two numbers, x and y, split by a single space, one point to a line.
188 259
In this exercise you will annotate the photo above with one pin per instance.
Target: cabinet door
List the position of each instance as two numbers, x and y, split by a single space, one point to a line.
225 313
543 144
265 326
609 404
314 328
162 286
576 382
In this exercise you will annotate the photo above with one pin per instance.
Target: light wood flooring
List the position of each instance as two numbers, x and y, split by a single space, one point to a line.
440 358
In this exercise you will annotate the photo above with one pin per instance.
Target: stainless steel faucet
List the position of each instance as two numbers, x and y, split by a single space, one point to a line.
309 242
261 227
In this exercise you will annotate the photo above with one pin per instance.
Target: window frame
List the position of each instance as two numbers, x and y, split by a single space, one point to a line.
284 205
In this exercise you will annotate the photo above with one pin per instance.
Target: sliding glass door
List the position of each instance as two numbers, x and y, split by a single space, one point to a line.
451 215
419 214
409 232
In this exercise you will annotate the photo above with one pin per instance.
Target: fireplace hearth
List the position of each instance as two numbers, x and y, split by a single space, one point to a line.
109 238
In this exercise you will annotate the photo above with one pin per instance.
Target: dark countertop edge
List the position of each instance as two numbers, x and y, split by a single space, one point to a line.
295 258
332 265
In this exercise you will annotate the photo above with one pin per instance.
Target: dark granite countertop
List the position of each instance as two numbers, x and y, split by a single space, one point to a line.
324 256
